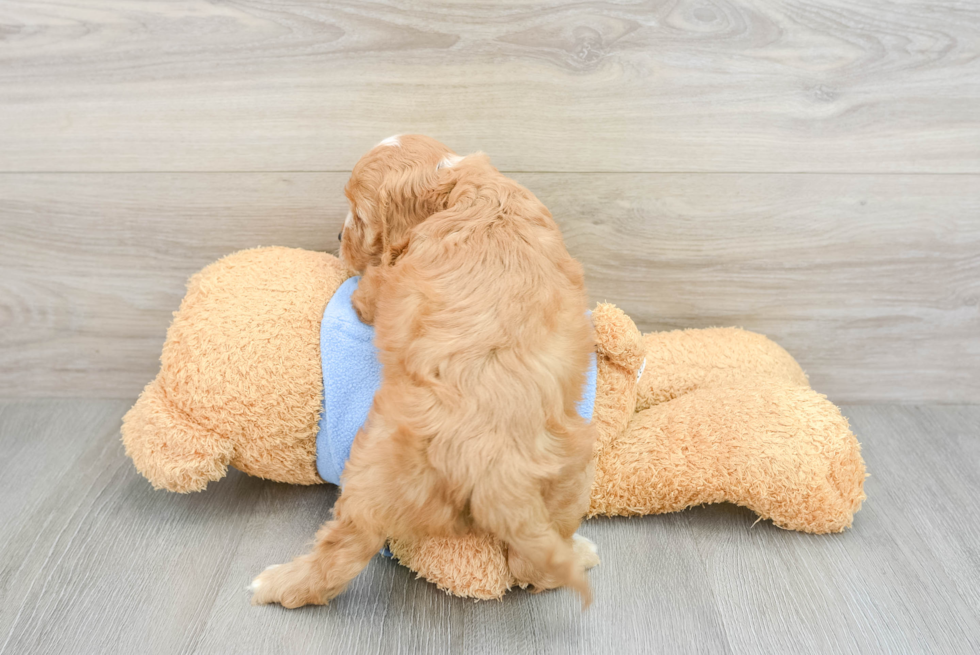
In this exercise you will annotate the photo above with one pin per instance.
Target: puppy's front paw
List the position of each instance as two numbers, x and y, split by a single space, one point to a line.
290 585
586 550
363 306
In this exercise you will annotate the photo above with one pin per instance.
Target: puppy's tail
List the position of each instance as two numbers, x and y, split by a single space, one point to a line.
537 553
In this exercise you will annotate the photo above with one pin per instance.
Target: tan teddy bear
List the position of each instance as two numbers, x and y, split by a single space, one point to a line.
683 418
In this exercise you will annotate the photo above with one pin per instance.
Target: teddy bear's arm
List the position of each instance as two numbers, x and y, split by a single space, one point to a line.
169 448
681 361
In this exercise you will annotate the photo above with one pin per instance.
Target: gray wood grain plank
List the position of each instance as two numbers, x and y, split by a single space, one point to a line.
933 476
900 581
872 282
543 86
93 560
102 565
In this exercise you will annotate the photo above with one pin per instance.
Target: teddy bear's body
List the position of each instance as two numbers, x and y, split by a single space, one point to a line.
254 370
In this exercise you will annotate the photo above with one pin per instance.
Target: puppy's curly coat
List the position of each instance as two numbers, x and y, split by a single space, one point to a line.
480 318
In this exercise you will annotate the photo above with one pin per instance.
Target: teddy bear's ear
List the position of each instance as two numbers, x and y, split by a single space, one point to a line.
617 337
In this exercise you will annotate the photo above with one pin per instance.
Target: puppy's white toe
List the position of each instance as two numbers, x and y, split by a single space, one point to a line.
587 551
585 542
257 582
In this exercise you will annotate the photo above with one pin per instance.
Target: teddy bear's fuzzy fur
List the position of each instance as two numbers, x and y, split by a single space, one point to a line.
717 415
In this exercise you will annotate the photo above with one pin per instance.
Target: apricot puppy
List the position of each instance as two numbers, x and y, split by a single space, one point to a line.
480 320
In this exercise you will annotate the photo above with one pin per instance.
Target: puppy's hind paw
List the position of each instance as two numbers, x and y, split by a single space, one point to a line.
257 582
586 550
291 585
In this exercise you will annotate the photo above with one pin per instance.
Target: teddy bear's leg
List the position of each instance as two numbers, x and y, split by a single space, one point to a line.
681 361
169 449
470 566
783 451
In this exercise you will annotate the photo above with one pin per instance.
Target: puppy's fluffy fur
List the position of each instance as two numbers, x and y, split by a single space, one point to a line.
480 317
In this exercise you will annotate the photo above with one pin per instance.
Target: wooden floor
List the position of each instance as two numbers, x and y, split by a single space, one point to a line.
95 561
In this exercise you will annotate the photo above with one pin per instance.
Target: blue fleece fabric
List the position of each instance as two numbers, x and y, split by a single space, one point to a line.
351 375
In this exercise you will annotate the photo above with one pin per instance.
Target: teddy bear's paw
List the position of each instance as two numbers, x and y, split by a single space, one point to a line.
291 585
586 550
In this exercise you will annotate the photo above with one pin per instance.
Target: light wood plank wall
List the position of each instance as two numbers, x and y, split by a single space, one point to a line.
809 170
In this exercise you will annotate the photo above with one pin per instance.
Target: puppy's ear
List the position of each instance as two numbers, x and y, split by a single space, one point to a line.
384 225
448 161
398 249
403 206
